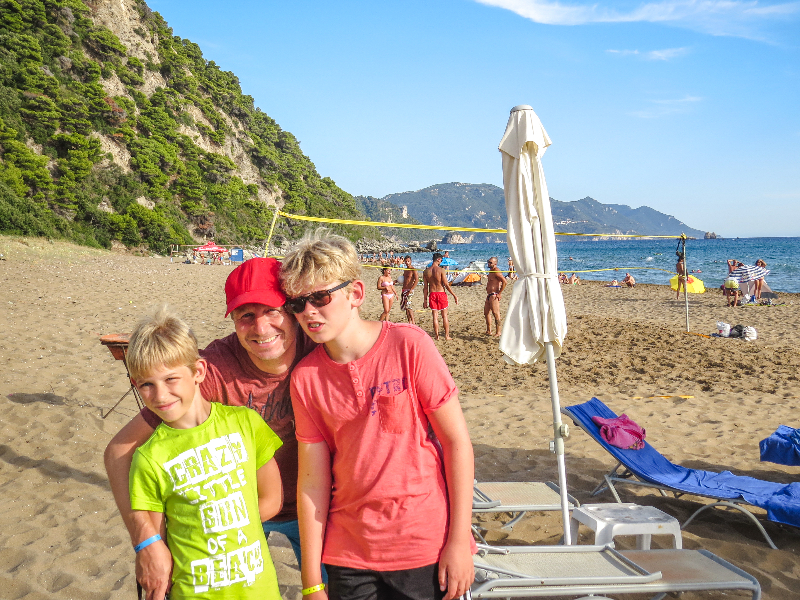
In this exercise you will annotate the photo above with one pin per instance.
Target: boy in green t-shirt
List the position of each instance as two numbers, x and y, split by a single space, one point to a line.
207 475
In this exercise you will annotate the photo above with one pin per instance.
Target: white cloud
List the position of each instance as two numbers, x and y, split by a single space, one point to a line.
665 54
740 18
662 108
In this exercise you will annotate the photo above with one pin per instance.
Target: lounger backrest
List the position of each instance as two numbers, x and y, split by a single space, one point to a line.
647 464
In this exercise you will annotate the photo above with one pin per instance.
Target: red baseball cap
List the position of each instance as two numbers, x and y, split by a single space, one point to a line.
255 281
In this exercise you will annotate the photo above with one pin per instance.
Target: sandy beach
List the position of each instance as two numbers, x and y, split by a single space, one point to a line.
705 403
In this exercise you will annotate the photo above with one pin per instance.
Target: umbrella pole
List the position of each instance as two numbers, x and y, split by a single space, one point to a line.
558 439
686 282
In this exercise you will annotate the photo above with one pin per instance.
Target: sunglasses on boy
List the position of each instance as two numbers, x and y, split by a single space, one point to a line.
317 299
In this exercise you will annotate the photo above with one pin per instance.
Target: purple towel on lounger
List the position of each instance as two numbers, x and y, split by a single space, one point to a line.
621 432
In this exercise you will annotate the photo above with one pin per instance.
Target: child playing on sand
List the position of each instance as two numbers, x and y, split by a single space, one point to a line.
207 475
385 460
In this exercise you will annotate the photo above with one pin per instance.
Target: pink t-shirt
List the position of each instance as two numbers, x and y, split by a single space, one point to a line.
388 508
233 379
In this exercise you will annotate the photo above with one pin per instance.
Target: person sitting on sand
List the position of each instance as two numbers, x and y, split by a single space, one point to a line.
495 284
435 282
629 280
183 499
574 280
512 272
250 367
562 278
386 288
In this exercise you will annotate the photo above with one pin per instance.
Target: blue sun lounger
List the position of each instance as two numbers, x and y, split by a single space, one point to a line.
648 468
782 447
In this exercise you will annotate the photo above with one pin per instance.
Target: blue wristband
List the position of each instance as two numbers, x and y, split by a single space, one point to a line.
142 545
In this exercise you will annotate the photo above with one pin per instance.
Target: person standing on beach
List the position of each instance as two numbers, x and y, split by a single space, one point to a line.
386 288
250 367
386 465
495 284
410 281
731 284
759 283
680 269
435 282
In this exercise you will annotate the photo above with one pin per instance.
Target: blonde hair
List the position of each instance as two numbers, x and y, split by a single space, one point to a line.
161 338
320 257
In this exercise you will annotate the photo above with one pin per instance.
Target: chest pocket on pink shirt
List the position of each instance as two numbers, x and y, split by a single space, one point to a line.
395 412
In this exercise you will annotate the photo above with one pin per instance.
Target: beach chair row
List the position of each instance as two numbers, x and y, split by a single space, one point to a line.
567 571
601 570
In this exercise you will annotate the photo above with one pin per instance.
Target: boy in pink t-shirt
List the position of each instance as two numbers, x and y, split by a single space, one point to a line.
385 460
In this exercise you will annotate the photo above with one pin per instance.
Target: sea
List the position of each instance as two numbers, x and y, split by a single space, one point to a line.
648 259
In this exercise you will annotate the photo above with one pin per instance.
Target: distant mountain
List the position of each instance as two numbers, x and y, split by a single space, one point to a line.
483 206
590 216
458 205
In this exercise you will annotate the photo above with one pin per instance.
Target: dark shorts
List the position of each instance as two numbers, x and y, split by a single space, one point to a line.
345 583
437 300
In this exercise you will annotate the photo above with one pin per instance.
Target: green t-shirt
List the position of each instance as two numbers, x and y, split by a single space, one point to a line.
204 480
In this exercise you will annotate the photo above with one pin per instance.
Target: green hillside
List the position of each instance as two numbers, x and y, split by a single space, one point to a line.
113 131
382 211
456 205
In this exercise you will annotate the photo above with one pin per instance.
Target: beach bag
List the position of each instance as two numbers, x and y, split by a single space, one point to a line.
723 328
736 331
749 334
621 432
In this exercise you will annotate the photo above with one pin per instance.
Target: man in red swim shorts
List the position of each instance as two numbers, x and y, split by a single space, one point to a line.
434 285
438 300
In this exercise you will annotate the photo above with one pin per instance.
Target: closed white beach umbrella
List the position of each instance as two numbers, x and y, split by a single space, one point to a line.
536 321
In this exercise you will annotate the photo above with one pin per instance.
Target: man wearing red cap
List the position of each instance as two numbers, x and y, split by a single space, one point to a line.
250 367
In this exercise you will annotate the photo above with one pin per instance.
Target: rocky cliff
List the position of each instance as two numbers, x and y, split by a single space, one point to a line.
115 131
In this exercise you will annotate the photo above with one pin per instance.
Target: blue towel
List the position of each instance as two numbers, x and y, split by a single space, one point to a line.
781 501
782 447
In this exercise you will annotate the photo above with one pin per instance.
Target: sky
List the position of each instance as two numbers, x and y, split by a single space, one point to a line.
691 107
